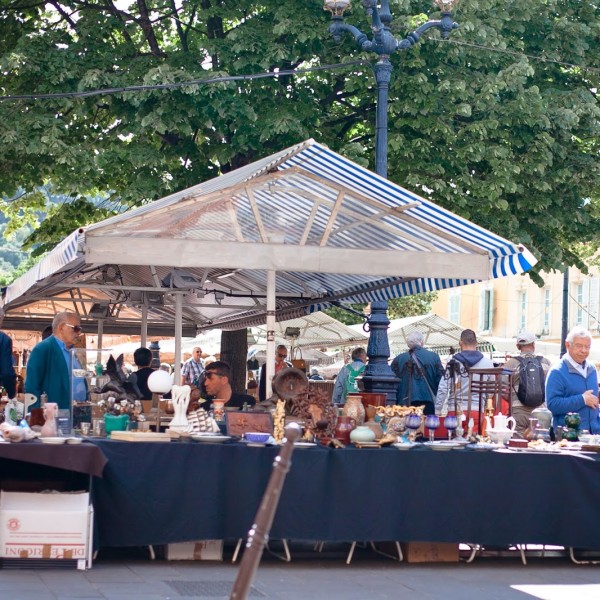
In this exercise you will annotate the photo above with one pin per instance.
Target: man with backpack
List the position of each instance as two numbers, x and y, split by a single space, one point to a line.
527 381
345 382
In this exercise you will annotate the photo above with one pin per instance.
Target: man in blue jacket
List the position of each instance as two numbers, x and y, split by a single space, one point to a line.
49 366
419 371
572 385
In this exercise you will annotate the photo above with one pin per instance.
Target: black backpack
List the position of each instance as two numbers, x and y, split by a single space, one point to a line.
531 381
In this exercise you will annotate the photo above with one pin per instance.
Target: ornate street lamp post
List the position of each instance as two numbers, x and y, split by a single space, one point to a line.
378 376
384 44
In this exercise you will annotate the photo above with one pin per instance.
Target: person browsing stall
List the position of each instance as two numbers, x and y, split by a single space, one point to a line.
192 368
419 372
572 384
520 411
346 378
8 377
50 364
281 362
457 370
218 386
142 358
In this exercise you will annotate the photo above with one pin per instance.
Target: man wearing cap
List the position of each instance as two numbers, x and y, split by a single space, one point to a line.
526 347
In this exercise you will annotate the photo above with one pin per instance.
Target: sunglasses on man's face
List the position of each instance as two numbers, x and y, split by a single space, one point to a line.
75 328
281 355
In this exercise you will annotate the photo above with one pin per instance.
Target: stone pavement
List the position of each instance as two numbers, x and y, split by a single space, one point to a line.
369 577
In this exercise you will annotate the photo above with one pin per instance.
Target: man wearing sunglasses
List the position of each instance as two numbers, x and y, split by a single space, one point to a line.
49 366
281 362
218 386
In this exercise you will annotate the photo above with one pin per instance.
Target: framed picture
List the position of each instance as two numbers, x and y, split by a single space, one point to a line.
238 422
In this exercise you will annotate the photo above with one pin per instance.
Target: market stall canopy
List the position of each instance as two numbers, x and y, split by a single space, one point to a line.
441 336
329 228
313 331
316 330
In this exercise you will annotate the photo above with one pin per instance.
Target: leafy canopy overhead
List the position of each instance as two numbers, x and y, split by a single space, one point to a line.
476 123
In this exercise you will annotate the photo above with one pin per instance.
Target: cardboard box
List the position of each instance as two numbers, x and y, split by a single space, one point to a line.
200 550
49 525
425 552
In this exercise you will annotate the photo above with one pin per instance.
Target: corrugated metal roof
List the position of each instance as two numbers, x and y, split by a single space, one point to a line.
330 229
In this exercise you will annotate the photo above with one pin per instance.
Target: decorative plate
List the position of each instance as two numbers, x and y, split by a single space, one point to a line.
53 440
482 447
210 439
406 446
305 445
442 445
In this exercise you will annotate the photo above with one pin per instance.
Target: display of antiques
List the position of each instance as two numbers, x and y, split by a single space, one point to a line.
313 408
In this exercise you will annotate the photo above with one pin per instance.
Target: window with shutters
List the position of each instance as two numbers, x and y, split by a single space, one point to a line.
454 306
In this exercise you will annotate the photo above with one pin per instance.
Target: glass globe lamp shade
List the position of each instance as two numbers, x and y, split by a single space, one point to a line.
446 6
336 7
160 382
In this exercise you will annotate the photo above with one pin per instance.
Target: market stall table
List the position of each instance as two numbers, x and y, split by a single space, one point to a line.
162 493
80 458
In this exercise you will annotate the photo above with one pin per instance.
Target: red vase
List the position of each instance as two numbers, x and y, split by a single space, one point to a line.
343 428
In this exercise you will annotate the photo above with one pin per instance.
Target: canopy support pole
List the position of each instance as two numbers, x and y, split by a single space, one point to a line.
270 364
144 329
100 336
178 328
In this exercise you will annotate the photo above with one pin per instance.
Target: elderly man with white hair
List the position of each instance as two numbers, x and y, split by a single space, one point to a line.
419 371
572 384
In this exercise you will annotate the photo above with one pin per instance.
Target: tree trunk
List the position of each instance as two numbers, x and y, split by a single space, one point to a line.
234 351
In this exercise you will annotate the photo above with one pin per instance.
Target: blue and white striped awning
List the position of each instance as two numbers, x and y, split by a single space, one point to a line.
329 228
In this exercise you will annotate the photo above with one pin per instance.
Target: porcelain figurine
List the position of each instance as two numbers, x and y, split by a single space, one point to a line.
180 400
49 428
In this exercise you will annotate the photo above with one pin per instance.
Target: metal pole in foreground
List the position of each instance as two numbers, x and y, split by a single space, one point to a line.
259 534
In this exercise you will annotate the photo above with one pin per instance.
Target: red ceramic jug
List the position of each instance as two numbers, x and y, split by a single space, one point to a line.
343 428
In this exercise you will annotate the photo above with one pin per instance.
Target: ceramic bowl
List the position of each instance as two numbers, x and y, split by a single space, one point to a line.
257 438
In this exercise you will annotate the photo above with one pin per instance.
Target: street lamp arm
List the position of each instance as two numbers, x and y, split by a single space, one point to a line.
445 25
337 27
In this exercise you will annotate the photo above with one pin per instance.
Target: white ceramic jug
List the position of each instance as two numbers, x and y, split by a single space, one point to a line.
501 423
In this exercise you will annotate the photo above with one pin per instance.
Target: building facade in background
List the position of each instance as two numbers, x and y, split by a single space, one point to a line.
502 307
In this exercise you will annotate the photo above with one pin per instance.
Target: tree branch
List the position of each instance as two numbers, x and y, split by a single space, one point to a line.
146 25
182 34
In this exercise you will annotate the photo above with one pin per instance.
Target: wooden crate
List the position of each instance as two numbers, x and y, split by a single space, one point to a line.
426 552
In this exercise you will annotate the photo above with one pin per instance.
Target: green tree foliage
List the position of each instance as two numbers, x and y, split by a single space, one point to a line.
476 123
410 306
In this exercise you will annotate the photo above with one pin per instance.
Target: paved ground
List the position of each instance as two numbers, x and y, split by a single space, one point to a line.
369 577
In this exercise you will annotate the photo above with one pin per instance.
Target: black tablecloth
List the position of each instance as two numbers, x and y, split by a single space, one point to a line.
156 493
82 458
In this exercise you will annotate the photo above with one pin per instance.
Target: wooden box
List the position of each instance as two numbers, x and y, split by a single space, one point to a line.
200 550
426 552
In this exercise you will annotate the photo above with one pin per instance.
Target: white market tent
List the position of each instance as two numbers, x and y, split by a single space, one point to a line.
280 238
440 334
313 331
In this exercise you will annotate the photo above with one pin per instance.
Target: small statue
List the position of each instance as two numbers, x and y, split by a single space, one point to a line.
49 428
181 399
